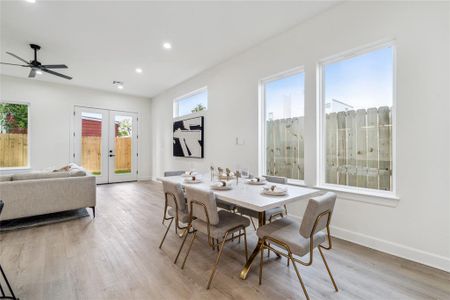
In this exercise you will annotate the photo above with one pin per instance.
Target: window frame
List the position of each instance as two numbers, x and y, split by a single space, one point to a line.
4 170
321 126
176 110
262 117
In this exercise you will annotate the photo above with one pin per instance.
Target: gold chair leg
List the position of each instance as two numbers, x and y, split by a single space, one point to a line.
182 244
213 272
299 277
189 250
245 244
217 244
165 234
328 269
261 264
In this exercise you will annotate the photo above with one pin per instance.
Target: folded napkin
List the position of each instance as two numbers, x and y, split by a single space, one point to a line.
222 183
258 179
187 173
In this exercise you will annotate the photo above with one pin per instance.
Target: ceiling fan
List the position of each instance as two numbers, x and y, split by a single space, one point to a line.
36 66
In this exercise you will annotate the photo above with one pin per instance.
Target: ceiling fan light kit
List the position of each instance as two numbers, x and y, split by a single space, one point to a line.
36 66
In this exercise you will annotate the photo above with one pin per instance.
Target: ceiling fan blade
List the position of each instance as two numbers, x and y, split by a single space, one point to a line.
56 74
54 66
10 64
19 58
32 73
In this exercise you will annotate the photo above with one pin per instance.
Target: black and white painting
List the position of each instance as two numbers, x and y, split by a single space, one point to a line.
188 138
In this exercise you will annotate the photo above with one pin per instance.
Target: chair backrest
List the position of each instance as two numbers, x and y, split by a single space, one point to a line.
317 206
276 179
173 173
208 199
176 190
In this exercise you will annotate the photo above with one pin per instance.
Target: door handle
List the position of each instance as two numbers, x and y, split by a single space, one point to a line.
111 155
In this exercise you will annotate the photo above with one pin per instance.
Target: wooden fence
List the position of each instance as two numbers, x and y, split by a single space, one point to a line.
91 154
358 148
13 150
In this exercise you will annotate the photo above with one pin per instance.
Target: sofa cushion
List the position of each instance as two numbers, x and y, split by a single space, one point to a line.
5 178
39 175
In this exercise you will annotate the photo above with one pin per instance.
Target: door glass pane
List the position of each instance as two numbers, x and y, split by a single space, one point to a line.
123 138
91 142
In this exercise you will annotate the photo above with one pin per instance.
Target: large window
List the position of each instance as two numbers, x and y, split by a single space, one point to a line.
13 135
357 102
191 103
283 124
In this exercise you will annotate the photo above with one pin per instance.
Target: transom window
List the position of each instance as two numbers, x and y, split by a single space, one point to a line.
357 113
283 100
193 102
14 147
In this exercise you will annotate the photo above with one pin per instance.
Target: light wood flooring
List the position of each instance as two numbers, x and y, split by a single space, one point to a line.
116 256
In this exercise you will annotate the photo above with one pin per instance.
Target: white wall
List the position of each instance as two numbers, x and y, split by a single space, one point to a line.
51 118
415 227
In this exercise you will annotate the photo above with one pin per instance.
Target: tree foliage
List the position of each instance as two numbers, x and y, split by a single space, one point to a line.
13 116
198 108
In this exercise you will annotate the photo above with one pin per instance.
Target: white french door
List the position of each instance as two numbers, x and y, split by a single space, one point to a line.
105 143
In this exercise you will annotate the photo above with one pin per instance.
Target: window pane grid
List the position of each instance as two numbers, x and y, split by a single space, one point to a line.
284 126
358 97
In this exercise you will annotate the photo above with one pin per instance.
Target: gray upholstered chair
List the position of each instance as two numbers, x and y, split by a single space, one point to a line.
174 207
299 240
217 225
270 213
173 173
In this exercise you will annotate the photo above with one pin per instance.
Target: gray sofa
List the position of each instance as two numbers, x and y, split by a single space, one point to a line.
38 193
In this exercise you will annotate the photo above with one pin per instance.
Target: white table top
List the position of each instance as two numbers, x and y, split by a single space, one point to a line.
247 195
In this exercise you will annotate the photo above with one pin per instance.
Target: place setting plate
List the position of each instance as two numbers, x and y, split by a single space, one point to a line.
275 191
255 181
189 174
221 186
192 180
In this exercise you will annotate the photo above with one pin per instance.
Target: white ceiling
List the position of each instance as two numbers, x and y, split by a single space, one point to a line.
104 41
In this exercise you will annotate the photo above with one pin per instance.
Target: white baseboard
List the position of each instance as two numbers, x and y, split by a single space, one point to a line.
145 178
406 252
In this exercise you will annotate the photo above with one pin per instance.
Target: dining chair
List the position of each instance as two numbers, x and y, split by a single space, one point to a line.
270 213
218 225
173 173
298 239
175 207
5 279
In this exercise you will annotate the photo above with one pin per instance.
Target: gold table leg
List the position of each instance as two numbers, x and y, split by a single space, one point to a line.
244 272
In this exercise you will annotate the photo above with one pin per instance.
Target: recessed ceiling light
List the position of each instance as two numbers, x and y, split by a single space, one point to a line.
167 45
120 87
39 72
31 1
139 70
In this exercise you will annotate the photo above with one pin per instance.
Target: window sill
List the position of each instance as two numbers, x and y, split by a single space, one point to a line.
191 115
382 198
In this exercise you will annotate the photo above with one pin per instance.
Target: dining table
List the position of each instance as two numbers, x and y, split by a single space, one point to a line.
250 196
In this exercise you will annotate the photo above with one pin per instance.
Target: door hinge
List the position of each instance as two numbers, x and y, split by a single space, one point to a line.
74 113
137 154
74 155
73 133
137 172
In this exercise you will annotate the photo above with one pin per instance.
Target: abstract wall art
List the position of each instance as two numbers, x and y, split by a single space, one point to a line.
188 138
